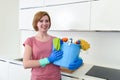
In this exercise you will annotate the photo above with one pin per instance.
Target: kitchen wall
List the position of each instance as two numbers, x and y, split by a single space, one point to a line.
9 32
104 46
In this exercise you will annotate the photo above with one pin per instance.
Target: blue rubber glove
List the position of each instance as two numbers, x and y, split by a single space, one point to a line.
76 64
55 55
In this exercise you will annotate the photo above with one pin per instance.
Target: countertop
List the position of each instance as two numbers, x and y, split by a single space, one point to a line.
18 61
11 59
79 74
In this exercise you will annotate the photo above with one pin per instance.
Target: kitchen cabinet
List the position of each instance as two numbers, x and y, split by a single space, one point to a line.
70 17
3 70
31 3
58 2
73 16
105 15
17 72
26 18
64 17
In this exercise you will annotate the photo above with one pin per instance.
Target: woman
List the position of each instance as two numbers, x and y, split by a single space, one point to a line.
38 53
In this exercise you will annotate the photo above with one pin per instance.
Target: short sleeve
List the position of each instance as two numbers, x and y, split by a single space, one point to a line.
28 41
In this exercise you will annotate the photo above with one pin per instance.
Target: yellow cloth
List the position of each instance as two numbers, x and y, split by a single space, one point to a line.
56 43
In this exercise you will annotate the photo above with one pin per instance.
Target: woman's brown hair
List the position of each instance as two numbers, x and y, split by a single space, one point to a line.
37 17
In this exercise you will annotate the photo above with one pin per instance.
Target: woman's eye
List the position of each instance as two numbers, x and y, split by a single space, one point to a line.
40 20
47 21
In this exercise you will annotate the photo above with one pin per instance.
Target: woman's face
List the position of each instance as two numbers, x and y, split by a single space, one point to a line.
43 24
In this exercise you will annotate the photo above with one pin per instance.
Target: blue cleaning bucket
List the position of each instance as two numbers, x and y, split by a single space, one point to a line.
70 53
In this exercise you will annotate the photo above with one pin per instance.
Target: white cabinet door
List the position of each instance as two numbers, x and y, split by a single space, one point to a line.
56 2
26 18
31 3
3 70
105 15
70 17
17 72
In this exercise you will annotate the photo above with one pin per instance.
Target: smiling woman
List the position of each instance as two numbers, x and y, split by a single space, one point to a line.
38 53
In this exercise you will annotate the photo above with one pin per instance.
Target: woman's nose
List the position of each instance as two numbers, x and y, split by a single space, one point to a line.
44 22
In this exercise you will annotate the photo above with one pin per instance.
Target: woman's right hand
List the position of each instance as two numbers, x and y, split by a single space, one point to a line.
55 55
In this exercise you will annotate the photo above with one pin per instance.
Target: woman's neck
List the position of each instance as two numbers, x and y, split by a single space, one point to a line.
42 36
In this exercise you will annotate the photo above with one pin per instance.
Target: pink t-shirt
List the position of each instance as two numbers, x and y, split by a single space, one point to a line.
42 50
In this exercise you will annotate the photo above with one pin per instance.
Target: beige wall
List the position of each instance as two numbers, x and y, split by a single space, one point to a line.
9 33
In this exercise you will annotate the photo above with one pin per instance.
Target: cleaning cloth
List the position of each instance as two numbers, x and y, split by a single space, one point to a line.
56 43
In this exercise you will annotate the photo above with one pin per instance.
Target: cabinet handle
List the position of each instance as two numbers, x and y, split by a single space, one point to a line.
2 60
95 0
16 63
70 76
